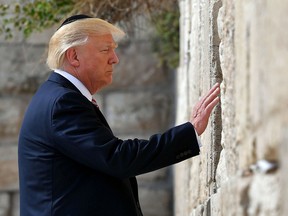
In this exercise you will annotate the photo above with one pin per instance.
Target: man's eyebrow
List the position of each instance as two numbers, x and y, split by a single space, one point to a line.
114 45
110 45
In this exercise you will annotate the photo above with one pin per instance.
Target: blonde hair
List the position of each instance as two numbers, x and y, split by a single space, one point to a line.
76 34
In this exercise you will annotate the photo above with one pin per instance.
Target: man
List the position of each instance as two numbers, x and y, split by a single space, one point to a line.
70 163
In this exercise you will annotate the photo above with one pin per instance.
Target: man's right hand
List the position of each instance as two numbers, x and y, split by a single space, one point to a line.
202 110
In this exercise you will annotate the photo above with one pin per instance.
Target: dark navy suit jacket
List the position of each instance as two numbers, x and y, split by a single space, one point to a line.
71 164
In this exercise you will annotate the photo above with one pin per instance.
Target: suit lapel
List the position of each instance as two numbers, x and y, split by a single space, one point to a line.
102 118
55 77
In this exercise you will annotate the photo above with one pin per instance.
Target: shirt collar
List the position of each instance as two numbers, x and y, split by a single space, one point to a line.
77 83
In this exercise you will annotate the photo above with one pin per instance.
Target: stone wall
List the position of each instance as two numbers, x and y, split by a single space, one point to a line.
242 168
22 69
138 103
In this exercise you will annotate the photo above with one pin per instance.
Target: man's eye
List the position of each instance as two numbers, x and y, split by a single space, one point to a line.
105 50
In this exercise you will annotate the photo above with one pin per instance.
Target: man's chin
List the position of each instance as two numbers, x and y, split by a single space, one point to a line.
109 82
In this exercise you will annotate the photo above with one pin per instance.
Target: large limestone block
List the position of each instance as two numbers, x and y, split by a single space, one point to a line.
10 116
154 199
264 195
8 168
4 204
15 209
227 60
22 68
181 188
138 112
155 176
284 173
12 109
261 75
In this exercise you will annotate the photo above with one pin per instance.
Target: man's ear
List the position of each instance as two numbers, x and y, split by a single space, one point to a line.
72 58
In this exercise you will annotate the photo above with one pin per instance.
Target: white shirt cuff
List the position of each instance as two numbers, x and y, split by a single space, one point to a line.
198 139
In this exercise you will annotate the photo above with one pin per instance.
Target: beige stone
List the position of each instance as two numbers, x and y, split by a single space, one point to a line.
134 112
8 168
155 201
4 204
252 121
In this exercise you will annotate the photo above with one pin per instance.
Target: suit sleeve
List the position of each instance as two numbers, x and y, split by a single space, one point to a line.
79 133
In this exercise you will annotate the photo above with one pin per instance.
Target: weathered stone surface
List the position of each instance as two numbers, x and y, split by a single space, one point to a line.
264 195
154 199
252 50
15 211
135 112
41 38
11 113
8 168
155 176
9 204
22 69
180 188
284 174
4 204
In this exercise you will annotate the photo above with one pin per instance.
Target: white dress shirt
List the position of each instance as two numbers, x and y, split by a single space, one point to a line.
77 83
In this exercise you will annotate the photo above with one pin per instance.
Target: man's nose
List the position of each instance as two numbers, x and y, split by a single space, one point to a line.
114 58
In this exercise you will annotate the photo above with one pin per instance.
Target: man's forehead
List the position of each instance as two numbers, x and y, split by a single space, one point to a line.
105 40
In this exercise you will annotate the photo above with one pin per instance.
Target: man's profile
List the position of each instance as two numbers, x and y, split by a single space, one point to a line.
70 162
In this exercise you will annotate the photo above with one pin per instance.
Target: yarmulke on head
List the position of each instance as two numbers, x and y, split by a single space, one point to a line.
74 18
